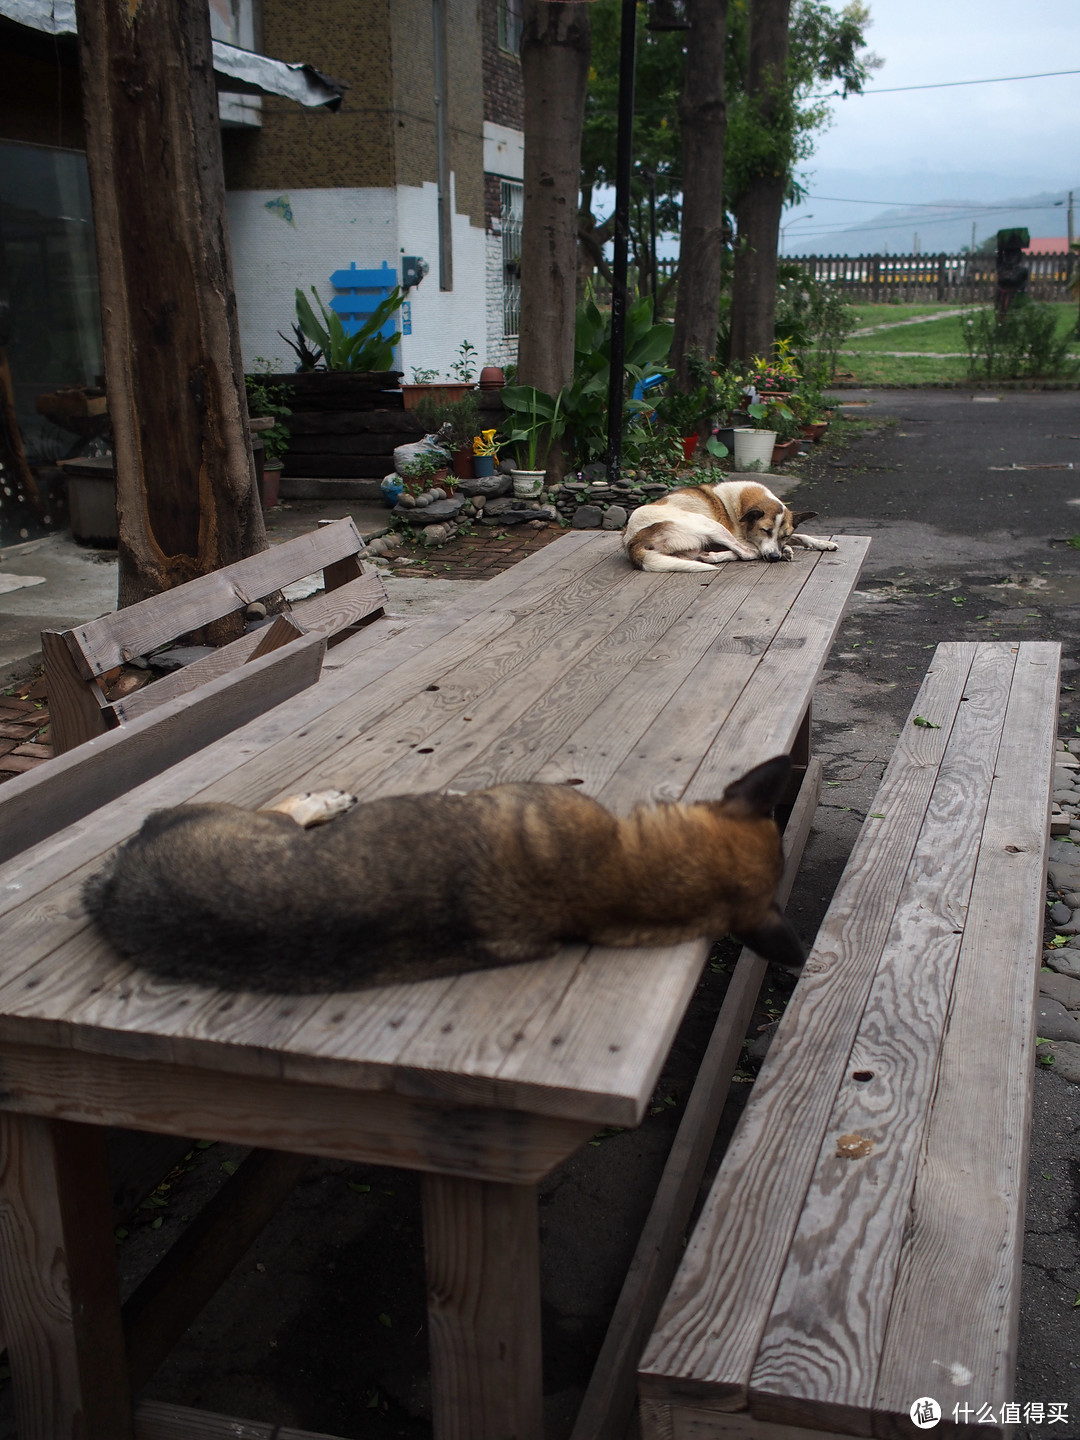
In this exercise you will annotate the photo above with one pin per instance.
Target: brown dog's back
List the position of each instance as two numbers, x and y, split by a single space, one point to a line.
415 886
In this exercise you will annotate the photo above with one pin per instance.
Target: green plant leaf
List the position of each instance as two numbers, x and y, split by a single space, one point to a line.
925 724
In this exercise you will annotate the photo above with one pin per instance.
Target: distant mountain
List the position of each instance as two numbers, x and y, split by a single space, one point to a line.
944 228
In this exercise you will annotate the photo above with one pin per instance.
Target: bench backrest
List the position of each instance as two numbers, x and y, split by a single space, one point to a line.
101 645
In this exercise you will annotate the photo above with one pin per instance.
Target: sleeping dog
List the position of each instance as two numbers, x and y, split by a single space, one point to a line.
415 886
704 525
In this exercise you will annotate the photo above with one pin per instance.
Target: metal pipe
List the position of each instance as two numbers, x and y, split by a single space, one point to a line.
623 167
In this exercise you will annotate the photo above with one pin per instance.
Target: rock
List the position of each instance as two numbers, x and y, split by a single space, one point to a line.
588 517
439 534
759 1047
615 517
1062 988
496 507
486 485
1065 962
440 511
1059 914
1062 797
1053 1021
1066 1059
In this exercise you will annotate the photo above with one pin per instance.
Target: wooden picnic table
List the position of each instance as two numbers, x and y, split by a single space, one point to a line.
572 667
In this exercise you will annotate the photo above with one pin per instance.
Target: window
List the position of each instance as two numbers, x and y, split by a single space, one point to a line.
513 206
510 25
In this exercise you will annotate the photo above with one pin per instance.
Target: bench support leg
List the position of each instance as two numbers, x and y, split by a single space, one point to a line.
58 1285
482 1244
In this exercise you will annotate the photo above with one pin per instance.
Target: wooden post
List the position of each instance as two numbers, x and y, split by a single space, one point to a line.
482 1244
186 497
58 1287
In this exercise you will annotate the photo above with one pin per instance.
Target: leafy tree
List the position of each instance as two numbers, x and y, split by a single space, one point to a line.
824 47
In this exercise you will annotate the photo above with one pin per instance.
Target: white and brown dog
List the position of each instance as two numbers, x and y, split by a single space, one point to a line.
704 525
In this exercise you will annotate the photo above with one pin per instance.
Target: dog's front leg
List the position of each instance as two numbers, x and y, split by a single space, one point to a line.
812 542
314 807
717 535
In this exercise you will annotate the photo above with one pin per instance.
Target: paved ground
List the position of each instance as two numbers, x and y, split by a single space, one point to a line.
322 1325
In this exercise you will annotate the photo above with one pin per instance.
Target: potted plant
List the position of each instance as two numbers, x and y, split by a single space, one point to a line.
534 422
270 437
754 444
426 385
326 346
485 454
456 424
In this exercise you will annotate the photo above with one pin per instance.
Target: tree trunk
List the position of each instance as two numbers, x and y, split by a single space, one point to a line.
757 211
703 118
555 70
186 497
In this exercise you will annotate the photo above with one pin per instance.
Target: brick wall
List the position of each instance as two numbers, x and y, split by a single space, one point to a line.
500 350
504 102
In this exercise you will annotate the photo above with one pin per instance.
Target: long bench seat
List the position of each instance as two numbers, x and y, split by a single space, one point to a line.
860 1247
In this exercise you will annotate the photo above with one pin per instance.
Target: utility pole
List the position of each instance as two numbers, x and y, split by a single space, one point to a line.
973 237
1071 236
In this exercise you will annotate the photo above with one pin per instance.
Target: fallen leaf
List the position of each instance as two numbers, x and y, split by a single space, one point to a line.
925 724
853 1147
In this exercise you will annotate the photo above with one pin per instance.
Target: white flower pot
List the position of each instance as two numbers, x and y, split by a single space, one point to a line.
753 449
528 483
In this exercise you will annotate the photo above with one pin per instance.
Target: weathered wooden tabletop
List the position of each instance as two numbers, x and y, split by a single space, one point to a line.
572 667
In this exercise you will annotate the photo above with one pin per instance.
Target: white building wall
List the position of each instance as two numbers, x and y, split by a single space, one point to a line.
280 242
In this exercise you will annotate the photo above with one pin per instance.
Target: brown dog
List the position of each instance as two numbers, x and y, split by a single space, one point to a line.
705 525
415 886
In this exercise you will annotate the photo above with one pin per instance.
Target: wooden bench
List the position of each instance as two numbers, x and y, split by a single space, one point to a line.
77 660
860 1247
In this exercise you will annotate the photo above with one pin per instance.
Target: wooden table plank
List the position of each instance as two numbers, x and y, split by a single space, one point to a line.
818 1357
966 1227
707 1337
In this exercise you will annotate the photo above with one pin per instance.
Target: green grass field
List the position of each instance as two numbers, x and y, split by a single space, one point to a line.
922 344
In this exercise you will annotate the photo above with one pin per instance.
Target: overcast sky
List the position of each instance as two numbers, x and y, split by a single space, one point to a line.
979 142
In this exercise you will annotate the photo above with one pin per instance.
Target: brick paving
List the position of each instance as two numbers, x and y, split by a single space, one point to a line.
476 553
24 727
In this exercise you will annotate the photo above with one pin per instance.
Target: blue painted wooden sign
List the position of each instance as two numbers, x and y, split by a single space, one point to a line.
364 289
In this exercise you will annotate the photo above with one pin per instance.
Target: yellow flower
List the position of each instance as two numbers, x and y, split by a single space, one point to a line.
484 443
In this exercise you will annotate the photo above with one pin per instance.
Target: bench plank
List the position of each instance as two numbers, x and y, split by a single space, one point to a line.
942 943
707 1338
967 1230
817 1361
142 627
70 786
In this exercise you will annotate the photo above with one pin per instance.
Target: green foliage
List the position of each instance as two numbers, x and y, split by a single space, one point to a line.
462 416
1022 344
813 319
366 350
535 419
773 415
263 398
580 409
463 369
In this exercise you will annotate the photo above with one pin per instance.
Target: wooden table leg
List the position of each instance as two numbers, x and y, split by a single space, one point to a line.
58 1286
482 1244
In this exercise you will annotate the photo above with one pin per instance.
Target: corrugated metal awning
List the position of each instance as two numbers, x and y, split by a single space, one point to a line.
238 72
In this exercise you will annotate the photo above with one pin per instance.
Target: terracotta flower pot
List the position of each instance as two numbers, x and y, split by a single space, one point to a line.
463 463
491 378
270 484
815 430
785 451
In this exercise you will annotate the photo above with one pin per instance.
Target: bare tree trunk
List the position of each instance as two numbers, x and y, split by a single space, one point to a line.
555 69
703 118
757 212
186 497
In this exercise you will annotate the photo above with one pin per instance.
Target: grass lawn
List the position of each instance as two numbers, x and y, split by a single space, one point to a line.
944 336
892 314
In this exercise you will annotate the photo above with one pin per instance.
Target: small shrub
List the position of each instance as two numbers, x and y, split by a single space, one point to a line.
1022 344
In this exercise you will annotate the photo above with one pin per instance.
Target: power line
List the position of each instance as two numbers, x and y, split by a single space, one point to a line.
949 84
958 205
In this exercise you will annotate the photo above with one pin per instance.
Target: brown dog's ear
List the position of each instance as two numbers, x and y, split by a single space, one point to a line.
775 940
798 516
756 792
751 515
